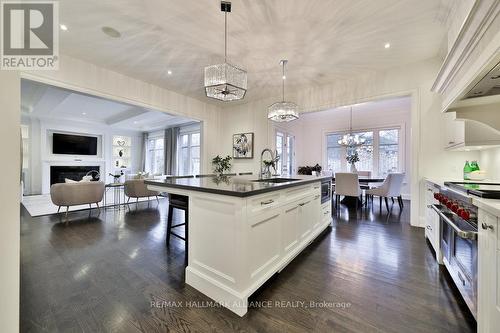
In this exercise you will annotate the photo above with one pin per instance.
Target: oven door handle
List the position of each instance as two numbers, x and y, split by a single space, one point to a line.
461 233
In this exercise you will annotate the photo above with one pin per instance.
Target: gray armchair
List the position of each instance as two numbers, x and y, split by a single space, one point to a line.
74 194
136 188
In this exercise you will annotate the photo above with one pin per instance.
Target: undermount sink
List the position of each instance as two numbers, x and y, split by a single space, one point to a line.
276 180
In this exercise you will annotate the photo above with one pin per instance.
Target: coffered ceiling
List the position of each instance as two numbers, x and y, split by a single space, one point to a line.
324 40
47 102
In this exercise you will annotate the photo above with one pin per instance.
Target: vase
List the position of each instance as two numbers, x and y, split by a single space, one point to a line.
353 168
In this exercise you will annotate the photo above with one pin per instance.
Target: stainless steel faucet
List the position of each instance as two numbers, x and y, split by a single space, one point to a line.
266 173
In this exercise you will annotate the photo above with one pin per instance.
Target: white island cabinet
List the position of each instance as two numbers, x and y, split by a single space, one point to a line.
488 273
237 241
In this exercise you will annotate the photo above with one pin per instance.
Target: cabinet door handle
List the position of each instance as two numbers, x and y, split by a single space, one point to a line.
316 197
451 142
270 201
326 213
316 188
302 204
486 226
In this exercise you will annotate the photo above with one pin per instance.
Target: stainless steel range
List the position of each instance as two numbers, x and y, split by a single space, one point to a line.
458 241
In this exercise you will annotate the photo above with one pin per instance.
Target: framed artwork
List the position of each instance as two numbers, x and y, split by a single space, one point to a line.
243 145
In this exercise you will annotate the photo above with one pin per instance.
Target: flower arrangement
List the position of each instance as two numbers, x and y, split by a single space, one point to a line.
352 158
221 164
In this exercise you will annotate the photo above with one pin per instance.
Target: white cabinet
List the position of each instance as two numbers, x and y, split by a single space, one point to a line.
432 220
236 244
488 311
290 227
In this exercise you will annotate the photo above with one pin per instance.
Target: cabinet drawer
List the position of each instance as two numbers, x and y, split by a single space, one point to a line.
258 204
295 193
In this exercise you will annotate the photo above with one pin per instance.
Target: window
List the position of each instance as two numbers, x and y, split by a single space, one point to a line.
388 151
189 154
335 153
155 161
380 153
365 152
285 147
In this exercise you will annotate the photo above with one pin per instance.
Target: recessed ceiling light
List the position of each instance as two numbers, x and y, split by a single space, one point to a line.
84 113
387 45
135 122
284 77
169 72
63 27
111 32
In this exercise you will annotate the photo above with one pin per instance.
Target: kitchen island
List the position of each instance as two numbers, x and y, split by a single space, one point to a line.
243 230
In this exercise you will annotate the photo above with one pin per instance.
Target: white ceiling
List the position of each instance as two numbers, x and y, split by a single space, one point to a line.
324 40
48 102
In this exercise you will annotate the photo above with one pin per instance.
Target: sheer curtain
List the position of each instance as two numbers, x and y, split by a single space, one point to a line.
170 146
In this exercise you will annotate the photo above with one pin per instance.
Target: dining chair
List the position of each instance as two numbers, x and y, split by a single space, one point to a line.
390 188
346 184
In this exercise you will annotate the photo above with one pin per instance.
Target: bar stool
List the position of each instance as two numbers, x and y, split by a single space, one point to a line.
176 201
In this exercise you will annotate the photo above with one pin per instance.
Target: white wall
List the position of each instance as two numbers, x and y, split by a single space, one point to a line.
428 157
489 161
318 124
10 104
41 154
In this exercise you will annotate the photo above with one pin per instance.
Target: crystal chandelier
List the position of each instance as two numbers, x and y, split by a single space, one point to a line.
283 111
351 140
225 82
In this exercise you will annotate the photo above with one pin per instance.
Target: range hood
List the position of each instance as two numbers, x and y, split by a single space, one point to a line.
489 85
481 101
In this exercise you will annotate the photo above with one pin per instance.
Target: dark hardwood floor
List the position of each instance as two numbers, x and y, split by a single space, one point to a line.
100 274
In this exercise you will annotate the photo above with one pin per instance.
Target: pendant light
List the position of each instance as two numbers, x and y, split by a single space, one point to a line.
351 140
283 111
225 82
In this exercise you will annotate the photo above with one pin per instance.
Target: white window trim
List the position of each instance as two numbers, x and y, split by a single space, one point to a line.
189 132
401 144
286 133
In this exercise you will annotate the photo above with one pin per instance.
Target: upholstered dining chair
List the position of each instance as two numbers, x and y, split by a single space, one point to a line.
390 188
346 184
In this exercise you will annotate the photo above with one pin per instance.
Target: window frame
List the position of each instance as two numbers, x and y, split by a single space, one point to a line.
151 153
189 147
285 158
376 146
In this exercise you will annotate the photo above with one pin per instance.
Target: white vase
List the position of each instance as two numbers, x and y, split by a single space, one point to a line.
353 168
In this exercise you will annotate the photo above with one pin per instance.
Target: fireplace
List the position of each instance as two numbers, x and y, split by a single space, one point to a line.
59 173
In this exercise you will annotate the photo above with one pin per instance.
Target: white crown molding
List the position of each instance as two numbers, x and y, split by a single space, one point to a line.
477 22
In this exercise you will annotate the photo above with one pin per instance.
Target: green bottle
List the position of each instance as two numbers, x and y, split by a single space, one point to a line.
474 166
467 170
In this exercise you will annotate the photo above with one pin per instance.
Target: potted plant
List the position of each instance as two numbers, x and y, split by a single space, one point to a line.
352 158
221 164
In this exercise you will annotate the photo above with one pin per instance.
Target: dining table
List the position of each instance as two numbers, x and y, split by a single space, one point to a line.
364 182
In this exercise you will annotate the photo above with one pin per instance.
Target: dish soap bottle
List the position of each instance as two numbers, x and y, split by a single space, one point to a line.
467 170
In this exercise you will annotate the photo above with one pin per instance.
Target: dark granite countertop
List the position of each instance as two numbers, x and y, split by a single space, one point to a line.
238 186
